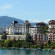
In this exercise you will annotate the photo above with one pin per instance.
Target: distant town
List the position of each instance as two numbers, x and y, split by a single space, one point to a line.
39 33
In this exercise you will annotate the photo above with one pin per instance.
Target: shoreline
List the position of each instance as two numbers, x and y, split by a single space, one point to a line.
13 48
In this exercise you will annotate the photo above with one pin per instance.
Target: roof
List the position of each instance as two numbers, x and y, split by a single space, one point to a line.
52 22
32 27
41 23
15 22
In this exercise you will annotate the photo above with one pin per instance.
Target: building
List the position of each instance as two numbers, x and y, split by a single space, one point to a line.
40 36
51 25
51 30
36 33
39 27
28 25
33 32
16 37
16 28
25 28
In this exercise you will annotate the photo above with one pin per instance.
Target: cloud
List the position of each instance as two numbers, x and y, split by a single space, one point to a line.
4 9
7 6
35 20
46 21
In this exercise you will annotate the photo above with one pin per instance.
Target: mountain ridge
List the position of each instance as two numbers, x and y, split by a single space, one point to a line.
6 21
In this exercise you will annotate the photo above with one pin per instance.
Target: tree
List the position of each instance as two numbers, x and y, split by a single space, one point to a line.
44 29
19 43
14 42
29 39
1 43
53 45
8 43
49 42
4 36
42 45
25 44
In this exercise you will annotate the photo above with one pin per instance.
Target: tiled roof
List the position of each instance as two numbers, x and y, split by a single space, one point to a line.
52 22
41 23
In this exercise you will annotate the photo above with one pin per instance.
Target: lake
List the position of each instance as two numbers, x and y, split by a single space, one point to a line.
25 52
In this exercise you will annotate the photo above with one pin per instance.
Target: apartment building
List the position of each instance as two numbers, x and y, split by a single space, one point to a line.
40 37
33 32
36 33
51 30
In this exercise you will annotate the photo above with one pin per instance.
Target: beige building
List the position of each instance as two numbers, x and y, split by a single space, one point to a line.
41 37
51 33
51 37
33 30
36 33
51 25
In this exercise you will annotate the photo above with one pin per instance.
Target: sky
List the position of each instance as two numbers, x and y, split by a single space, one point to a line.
32 10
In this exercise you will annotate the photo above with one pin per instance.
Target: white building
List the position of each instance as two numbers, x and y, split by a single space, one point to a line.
33 30
16 28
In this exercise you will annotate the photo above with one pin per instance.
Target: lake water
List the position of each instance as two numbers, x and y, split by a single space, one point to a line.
25 52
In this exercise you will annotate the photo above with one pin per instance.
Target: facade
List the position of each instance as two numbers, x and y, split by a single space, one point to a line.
16 37
51 25
25 28
28 25
40 37
33 32
36 33
16 28
51 30
51 37
39 27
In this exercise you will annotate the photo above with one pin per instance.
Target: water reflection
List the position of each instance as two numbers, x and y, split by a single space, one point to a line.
25 52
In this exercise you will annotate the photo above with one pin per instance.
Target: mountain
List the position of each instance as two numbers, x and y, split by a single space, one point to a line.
33 24
6 21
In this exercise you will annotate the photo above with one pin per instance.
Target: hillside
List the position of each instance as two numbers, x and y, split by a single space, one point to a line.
6 21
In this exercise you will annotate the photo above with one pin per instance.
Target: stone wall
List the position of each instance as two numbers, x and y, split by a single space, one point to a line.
21 37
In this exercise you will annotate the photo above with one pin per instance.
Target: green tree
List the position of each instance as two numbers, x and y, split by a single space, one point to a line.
49 42
53 45
8 43
4 36
44 29
14 42
29 39
19 43
42 45
25 44
1 43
